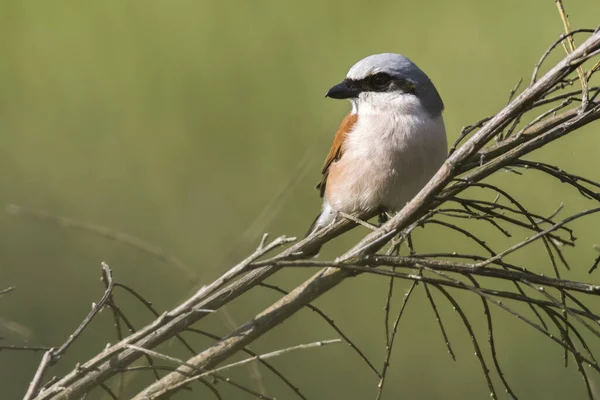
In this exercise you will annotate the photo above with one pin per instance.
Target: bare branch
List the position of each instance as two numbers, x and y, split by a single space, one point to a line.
39 375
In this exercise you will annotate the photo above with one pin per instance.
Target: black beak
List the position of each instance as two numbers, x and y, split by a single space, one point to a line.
342 91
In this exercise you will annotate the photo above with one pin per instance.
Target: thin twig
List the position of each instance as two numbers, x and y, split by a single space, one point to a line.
8 289
96 307
242 362
552 47
233 272
39 375
24 348
333 325
478 354
492 342
594 265
178 361
495 292
439 321
390 345
268 365
535 237
357 220
571 47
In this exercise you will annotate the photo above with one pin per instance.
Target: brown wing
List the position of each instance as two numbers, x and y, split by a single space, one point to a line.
337 148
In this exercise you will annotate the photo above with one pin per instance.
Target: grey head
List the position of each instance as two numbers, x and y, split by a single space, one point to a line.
388 76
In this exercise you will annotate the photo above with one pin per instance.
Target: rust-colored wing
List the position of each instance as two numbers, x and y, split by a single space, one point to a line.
337 148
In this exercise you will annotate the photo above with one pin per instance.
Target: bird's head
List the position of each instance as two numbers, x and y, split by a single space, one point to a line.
388 82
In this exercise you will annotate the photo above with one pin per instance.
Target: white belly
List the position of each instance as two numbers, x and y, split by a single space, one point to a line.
386 161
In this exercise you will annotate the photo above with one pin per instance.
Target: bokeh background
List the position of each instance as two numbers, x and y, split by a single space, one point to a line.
198 125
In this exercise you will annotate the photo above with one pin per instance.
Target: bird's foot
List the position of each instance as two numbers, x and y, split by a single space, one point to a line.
383 217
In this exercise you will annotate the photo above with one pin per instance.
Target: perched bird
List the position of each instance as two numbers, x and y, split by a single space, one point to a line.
391 143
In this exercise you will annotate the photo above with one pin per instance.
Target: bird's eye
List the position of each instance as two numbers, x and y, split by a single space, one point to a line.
380 80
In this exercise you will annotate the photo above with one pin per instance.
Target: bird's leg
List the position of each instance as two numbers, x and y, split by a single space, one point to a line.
383 217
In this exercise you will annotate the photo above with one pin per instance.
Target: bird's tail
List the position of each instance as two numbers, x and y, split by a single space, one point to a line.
314 226
322 220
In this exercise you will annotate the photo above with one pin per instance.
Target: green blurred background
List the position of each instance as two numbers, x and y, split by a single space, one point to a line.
180 122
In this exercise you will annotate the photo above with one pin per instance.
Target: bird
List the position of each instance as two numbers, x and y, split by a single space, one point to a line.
388 146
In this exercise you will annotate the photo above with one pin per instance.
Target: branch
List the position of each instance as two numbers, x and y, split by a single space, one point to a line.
164 390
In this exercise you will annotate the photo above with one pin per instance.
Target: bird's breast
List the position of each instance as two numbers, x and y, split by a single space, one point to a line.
386 160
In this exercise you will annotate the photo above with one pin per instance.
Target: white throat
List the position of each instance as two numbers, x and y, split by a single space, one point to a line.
391 103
